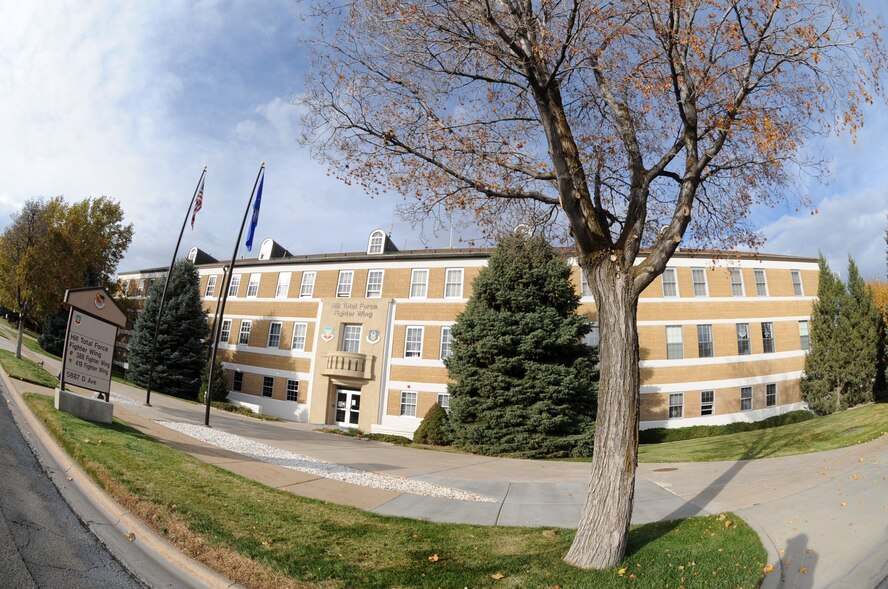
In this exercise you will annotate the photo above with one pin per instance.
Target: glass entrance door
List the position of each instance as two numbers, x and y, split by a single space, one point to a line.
348 406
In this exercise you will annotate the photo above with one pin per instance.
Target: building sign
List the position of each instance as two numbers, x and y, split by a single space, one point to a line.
354 310
89 349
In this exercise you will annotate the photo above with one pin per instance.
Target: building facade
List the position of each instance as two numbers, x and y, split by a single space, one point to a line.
359 339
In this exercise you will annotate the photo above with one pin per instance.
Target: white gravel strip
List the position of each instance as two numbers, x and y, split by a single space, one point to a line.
115 398
270 454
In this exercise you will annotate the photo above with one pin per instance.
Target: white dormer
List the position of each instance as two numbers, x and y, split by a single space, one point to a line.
265 249
192 255
376 244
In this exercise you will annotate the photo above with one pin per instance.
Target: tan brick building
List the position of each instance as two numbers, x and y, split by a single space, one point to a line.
358 339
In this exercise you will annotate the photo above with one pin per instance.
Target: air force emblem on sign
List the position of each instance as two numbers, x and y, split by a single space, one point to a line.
327 334
100 301
373 336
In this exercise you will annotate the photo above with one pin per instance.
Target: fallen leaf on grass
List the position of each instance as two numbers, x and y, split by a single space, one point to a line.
729 523
549 533
433 558
497 576
768 569
621 572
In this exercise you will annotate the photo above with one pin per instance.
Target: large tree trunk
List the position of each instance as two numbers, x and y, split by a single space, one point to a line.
604 525
21 331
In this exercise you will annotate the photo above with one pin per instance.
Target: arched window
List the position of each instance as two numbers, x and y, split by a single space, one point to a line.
377 242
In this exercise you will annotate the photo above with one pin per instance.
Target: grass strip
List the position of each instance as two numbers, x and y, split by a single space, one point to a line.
263 537
27 370
854 426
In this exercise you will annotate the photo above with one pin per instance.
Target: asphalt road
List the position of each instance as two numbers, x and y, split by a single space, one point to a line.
42 542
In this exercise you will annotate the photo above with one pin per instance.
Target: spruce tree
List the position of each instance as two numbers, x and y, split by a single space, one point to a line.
859 323
821 384
524 383
181 352
52 338
220 384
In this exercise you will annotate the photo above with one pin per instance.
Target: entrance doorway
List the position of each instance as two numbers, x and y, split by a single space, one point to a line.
348 406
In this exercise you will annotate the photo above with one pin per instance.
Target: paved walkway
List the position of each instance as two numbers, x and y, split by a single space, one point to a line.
823 517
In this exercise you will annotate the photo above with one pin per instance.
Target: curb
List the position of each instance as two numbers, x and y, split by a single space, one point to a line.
150 557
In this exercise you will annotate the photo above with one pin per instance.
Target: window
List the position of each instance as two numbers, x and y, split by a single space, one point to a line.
444 401
344 286
743 339
238 384
453 283
707 402
745 398
253 285
377 242
244 337
585 289
770 395
768 337
676 405
736 282
419 283
299 331
374 284
225 335
140 288
446 342
805 339
283 285
674 348
408 404
796 282
351 338
704 341
274 334
234 285
761 287
306 289
592 339
292 390
211 286
698 277
670 286
267 386
413 342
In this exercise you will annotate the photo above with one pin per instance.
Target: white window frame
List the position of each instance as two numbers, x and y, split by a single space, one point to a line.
736 273
765 340
444 401
771 399
673 282
300 333
237 381
292 390
408 403
246 327
376 242
743 391
277 336
585 289
377 291
210 290
707 407
701 342
453 289
234 285
253 285
593 338
410 344
140 287
695 283
268 385
419 283
798 287
740 351
306 287
348 338
344 283
225 333
283 285
673 397
804 335
446 348
761 287
674 342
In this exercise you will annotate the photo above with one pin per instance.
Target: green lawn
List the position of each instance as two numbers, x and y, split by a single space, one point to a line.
29 339
854 426
26 370
263 537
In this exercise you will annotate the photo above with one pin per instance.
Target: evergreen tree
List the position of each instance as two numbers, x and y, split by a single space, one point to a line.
524 382
220 384
859 323
181 352
52 338
821 386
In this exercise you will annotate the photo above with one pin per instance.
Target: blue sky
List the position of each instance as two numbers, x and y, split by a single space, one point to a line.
131 99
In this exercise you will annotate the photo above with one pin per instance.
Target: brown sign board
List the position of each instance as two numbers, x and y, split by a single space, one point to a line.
96 302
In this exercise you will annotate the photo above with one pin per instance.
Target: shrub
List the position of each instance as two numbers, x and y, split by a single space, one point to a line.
434 429
660 434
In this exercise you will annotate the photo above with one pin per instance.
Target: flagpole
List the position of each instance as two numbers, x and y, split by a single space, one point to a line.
166 284
226 281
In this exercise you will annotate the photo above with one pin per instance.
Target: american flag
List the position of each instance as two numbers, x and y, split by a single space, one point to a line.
197 202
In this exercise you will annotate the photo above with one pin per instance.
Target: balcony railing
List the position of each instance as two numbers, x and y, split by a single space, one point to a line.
348 365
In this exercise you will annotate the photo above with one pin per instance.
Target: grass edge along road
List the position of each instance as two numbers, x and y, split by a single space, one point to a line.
27 370
264 537
839 430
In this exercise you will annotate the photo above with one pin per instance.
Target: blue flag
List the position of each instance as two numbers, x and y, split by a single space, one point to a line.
255 218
